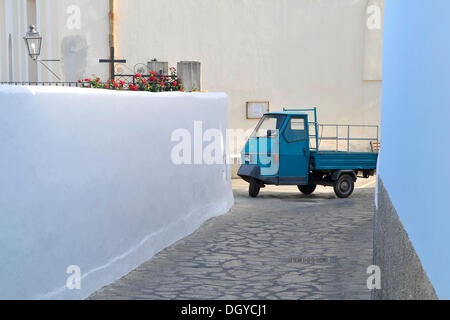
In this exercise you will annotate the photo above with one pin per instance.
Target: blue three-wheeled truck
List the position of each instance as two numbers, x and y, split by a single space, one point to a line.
284 150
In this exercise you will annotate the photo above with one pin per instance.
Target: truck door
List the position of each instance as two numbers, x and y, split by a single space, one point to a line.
294 152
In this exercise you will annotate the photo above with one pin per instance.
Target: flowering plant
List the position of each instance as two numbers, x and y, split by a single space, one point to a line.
151 83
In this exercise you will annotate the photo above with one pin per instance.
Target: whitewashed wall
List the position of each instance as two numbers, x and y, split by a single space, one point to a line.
415 154
290 52
74 31
87 179
81 39
293 53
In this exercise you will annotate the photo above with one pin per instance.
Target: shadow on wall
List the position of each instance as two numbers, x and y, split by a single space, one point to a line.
74 57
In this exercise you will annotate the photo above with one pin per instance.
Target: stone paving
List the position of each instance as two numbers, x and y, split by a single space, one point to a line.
281 245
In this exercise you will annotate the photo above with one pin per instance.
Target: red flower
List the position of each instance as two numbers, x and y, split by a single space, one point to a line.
87 80
137 75
175 83
162 84
122 82
106 86
79 81
181 90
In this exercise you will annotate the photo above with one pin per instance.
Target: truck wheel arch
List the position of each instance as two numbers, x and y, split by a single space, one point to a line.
337 174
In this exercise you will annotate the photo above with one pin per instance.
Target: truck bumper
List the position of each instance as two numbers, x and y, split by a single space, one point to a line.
248 171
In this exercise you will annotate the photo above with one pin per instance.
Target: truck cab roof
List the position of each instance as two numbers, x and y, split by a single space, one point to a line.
284 113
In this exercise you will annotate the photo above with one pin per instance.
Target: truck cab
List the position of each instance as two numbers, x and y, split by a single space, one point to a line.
284 150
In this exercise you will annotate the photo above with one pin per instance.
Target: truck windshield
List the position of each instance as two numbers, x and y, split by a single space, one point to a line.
268 122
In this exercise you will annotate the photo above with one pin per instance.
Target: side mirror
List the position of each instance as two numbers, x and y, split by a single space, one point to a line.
271 133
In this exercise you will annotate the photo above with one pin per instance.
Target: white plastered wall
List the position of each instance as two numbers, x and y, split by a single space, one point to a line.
88 180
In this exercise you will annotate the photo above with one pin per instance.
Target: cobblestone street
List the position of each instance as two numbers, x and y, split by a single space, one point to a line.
281 245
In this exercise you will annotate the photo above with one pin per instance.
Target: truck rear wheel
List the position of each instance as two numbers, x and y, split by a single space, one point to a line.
307 189
344 187
253 188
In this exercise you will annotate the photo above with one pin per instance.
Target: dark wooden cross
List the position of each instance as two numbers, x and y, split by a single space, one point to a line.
111 62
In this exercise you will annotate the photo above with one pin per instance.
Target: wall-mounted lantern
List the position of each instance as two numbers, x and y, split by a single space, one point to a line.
33 42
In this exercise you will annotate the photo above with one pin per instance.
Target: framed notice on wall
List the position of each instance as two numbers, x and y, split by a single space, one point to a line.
256 109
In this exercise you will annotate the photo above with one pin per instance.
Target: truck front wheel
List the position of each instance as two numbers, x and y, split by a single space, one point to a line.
307 189
254 187
344 187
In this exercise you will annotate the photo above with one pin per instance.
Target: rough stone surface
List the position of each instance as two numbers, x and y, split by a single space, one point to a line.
281 245
402 274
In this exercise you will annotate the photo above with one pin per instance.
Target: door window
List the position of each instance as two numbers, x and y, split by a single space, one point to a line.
295 130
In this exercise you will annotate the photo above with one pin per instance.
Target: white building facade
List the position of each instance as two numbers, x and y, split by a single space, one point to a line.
291 53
